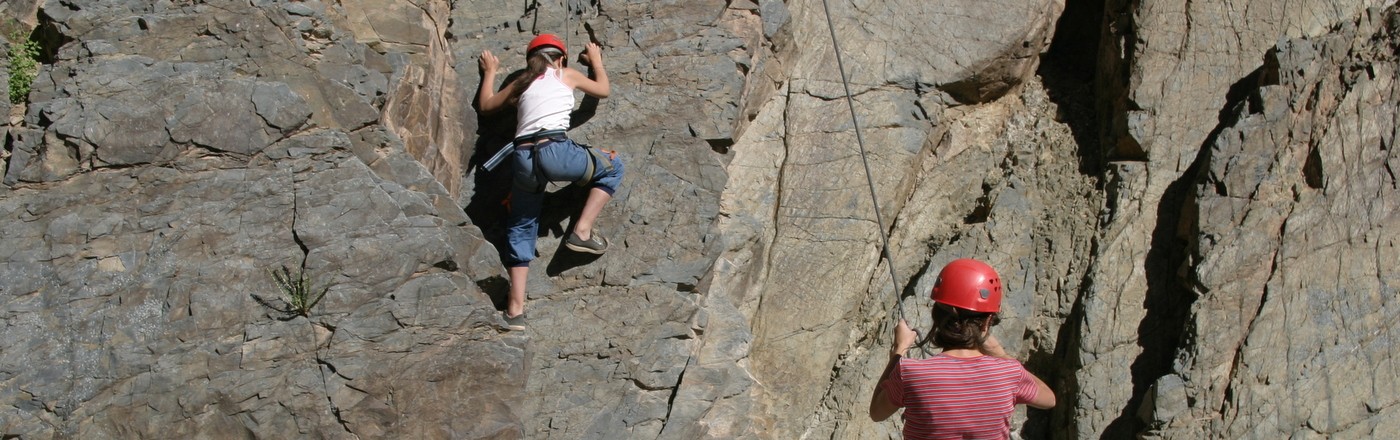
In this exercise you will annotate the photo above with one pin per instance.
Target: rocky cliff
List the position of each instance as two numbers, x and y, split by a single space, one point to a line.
1193 204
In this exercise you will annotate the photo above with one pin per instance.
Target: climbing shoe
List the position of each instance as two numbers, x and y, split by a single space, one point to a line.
516 322
595 245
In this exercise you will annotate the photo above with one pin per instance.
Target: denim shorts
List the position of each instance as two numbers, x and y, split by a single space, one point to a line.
559 161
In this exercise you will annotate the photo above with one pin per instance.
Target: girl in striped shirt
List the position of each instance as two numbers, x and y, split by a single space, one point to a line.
970 389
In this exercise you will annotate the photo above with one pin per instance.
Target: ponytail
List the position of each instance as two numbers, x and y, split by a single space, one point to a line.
536 63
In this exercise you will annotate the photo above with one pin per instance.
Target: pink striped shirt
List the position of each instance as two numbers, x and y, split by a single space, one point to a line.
946 397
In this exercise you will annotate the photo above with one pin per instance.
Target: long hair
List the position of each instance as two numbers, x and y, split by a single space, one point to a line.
955 328
535 65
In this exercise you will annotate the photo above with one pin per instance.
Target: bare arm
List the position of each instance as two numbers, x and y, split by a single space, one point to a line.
488 99
880 406
597 86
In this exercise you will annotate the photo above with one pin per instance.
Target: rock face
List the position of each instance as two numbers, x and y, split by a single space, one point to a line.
1197 232
1292 228
1167 72
169 158
813 288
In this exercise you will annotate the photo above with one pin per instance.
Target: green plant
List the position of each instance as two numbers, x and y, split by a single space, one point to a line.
24 65
299 292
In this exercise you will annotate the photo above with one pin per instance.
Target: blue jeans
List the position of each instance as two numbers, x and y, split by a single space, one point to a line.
560 161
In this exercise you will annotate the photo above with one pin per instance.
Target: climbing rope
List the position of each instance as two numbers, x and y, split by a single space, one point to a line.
870 181
568 11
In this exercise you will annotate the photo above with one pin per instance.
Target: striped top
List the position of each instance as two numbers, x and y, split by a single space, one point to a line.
946 397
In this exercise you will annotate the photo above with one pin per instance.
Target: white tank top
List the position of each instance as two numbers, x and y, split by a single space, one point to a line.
545 105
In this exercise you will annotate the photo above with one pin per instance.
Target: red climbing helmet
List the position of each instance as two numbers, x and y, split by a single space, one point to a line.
968 284
546 40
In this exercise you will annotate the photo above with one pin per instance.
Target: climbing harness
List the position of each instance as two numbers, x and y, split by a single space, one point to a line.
596 155
860 140
500 156
539 139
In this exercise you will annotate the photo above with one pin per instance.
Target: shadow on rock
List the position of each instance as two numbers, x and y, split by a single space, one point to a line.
496 288
486 208
565 259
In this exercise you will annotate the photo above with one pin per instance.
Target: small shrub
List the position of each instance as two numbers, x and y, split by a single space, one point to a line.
24 66
299 292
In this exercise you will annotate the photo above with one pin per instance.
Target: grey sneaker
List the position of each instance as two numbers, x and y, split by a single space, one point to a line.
594 245
516 322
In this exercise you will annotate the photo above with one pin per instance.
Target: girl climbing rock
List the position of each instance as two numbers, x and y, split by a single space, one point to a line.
970 389
543 97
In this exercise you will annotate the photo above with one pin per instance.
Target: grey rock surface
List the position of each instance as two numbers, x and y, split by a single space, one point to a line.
158 329
1196 228
1294 231
1166 72
160 183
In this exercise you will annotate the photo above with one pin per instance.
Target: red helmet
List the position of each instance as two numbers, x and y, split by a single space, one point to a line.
968 284
546 40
